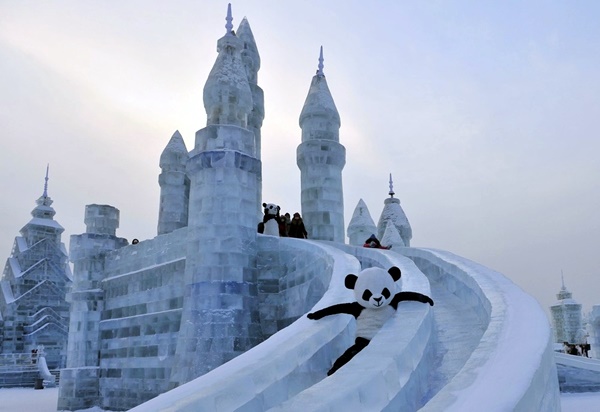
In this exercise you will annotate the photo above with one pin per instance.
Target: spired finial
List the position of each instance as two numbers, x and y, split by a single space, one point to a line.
391 193
229 19
320 67
45 194
562 279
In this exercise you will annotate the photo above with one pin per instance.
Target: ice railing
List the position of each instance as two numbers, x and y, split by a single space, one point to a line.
512 368
298 356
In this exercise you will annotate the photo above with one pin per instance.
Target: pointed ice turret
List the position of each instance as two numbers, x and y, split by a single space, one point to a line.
251 60
319 118
567 320
250 55
361 225
321 158
392 211
391 236
227 94
174 186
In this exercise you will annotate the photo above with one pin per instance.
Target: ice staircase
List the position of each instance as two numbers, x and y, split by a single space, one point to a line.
485 345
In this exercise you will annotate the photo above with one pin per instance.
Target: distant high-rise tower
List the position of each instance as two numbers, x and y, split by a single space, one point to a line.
321 158
392 211
33 288
174 186
220 318
566 318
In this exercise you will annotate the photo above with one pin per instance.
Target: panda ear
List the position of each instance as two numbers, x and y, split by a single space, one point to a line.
350 281
395 273
264 205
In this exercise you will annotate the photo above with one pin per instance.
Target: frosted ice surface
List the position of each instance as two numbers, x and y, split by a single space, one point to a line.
391 236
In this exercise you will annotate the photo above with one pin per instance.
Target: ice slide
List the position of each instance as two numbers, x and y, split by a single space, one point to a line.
485 345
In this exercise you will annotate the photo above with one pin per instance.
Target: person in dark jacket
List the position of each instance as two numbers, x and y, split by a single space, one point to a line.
297 228
373 242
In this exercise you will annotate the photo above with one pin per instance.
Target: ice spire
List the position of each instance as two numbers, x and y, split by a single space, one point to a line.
43 214
320 67
45 194
361 225
229 19
175 154
391 193
44 199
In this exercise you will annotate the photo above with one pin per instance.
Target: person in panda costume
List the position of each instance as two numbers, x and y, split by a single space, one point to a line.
374 305
271 219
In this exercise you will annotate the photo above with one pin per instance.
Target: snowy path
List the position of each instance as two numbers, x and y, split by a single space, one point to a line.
458 332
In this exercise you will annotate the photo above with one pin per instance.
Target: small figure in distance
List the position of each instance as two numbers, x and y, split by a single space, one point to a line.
288 222
135 242
297 228
373 242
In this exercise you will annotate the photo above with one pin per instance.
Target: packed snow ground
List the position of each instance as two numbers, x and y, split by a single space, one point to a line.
31 400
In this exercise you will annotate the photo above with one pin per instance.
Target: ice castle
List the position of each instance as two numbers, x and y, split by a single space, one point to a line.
210 314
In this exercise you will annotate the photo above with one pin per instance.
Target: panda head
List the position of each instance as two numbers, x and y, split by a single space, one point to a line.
374 287
270 209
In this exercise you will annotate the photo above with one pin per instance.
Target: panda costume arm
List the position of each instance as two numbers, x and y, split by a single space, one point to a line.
353 309
415 296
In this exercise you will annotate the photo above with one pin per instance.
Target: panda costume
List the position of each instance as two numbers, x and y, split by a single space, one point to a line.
271 219
374 305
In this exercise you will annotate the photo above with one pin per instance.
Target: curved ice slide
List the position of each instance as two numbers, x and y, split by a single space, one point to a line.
485 345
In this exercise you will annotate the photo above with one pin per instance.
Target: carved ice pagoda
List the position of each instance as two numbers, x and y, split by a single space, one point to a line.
36 277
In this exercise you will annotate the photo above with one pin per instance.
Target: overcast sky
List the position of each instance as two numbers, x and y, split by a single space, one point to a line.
486 113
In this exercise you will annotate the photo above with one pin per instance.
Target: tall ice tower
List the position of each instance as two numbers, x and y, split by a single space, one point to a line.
220 318
321 158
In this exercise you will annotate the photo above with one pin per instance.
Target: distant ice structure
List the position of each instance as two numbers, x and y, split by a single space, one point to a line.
566 318
33 306
392 212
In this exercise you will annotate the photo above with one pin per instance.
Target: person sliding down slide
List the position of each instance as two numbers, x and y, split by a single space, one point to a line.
373 242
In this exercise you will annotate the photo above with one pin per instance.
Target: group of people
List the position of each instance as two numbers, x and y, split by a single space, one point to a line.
580 349
289 226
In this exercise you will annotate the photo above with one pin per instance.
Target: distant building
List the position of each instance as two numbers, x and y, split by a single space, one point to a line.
567 319
33 309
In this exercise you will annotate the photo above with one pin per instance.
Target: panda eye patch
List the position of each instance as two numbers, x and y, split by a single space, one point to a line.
367 295
386 293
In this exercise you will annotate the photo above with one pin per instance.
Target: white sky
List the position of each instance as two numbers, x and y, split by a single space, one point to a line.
486 113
